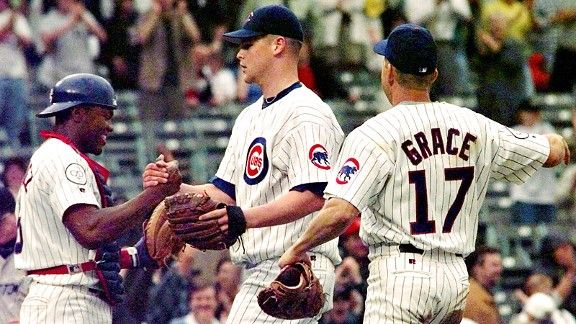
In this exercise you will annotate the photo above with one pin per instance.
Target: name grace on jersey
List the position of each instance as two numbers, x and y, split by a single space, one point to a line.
424 147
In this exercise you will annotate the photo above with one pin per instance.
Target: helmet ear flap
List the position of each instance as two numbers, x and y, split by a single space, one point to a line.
80 89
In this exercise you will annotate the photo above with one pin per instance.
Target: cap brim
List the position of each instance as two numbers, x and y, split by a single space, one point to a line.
237 36
55 108
380 47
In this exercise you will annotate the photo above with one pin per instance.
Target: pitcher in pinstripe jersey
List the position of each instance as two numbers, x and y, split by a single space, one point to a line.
277 162
64 210
418 173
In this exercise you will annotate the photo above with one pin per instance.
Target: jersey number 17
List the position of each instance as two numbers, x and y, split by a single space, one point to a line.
423 225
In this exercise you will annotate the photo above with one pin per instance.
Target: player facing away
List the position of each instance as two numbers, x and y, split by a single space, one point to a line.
65 213
418 173
277 162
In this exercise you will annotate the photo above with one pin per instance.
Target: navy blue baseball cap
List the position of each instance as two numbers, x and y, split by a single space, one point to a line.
410 48
268 20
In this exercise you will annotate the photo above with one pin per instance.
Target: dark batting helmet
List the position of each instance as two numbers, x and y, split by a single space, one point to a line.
80 89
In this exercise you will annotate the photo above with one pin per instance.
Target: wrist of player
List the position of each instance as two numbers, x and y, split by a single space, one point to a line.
237 224
137 256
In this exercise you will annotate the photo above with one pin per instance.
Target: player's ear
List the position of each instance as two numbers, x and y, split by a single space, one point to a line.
278 44
435 76
391 75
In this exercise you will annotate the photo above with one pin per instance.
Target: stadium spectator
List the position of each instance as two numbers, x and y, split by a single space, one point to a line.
170 298
167 32
485 267
557 259
208 49
534 200
10 278
348 276
445 20
67 32
15 37
203 305
565 192
228 278
343 311
220 79
13 174
352 245
121 52
544 34
563 15
518 27
539 283
344 41
502 84
541 308
517 15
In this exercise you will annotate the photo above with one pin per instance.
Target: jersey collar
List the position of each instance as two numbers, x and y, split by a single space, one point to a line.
93 164
269 101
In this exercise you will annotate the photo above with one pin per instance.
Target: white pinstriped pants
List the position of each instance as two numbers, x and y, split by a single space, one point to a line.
245 308
63 304
415 288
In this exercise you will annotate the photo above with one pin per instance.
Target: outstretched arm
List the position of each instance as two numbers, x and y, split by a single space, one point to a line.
336 215
287 208
92 226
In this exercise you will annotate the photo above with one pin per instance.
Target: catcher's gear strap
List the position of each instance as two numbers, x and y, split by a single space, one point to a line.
112 298
65 269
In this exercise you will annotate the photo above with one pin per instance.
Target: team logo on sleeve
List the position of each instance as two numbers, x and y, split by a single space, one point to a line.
350 167
75 173
319 157
256 162
518 134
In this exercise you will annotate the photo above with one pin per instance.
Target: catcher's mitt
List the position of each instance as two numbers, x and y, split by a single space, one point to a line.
160 241
184 211
295 293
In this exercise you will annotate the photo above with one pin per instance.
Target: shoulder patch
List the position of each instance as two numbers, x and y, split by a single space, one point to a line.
75 173
319 157
350 167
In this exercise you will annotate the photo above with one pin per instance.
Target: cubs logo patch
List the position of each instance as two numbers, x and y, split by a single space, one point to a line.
319 157
75 173
350 167
256 162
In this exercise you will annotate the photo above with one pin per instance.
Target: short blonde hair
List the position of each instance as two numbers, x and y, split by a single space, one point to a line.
415 82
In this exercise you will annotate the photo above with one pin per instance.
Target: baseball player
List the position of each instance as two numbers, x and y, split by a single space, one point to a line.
10 277
64 209
418 173
277 162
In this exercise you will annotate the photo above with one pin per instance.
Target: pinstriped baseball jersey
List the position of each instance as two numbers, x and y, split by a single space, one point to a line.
271 150
57 178
419 173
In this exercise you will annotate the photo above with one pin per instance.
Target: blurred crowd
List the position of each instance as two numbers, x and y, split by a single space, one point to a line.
171 53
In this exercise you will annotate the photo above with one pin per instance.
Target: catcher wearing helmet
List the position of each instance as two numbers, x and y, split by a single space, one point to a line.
66 219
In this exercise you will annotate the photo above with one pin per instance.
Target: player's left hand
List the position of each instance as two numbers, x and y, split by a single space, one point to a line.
221 215
291 257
